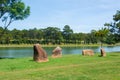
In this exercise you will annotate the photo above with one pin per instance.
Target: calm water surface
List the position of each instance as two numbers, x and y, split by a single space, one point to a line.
28 52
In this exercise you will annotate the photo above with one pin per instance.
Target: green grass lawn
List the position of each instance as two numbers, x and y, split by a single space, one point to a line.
69 67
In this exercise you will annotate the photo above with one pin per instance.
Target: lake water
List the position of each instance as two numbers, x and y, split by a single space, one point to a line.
28 52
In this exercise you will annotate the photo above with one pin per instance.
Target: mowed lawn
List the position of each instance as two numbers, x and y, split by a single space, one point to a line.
69 67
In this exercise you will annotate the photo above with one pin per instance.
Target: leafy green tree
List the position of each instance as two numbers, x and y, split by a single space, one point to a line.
12 10
67 33
114 27
101 34
17 11
33 33
52 35
111 39
4 7
93 38
74 38
17 36
7 37
77 38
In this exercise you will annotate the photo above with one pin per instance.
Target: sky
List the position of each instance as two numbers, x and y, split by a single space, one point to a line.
80 15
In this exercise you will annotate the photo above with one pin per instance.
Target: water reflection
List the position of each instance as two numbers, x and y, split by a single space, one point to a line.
28 52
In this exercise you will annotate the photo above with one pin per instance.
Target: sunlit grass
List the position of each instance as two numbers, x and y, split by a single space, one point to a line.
69 67
61 45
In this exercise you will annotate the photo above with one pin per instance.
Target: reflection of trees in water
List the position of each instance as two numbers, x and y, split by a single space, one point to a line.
28 52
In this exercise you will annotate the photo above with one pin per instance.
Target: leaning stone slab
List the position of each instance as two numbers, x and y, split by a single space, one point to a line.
88 52
57 52
40 54
103 53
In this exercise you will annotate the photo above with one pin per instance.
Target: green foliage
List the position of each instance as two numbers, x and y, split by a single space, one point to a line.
102 34
52 35
67 33
114 27
116 17
4 7
18 11
69 67
12 10
49 35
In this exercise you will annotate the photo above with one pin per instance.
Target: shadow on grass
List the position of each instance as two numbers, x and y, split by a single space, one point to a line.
7 58
31 60
99 56
114 55
109 55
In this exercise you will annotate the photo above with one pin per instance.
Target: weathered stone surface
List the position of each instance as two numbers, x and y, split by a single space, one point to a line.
103 54
40 54
88 52
57 52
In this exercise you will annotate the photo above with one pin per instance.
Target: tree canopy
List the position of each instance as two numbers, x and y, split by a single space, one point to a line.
114 27
49 35
12 10
102 34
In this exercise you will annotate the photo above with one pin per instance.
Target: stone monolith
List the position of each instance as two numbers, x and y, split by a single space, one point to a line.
103 54
40 54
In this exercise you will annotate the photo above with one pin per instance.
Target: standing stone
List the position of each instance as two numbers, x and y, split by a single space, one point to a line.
40 54
103 54
88 52
57 52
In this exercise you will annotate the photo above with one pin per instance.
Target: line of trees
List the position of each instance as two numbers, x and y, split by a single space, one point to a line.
13 10
53 35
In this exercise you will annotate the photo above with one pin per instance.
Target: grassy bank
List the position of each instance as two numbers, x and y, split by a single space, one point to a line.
62 45
69 67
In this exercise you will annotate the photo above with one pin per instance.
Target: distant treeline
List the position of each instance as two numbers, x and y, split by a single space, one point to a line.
51 35
11 10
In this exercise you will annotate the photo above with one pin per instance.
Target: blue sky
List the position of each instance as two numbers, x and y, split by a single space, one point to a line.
80 15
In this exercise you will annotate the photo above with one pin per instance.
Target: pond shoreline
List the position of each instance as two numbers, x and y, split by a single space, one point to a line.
27 51
64 68
62 45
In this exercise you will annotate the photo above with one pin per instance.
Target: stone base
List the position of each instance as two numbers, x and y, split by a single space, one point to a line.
58 56
42 60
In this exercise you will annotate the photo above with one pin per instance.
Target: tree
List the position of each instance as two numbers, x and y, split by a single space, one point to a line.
17 36
52 35
114 27
93 37
12 10
101 34
3 7
67 33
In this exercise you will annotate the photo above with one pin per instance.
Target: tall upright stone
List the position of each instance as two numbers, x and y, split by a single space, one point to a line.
103 53
40 54
57 52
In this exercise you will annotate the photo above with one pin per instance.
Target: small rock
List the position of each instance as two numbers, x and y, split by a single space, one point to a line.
88 52
57 52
